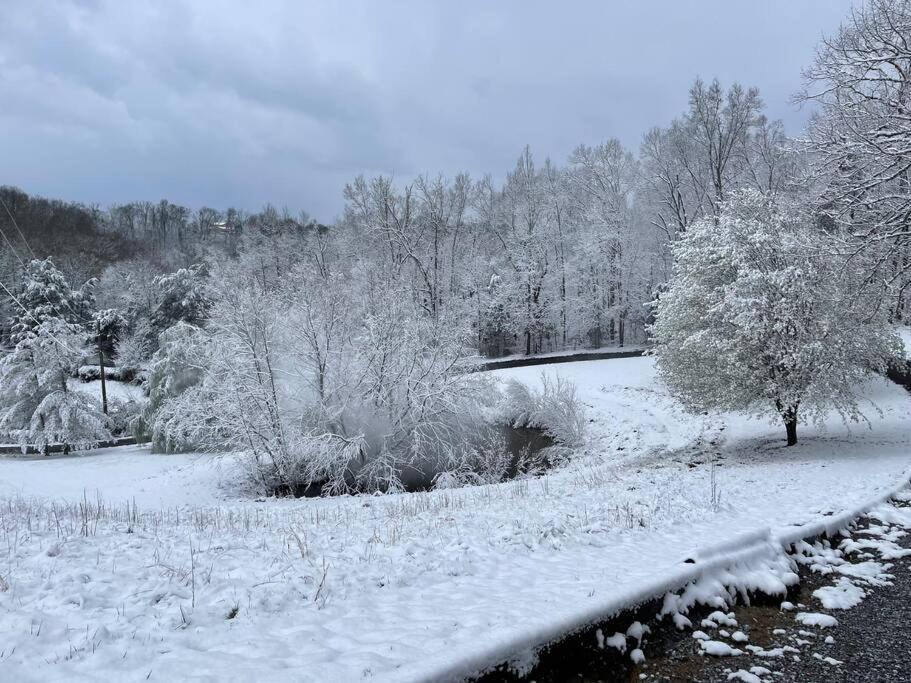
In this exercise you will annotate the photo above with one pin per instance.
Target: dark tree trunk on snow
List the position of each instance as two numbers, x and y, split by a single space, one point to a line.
790 425
789 415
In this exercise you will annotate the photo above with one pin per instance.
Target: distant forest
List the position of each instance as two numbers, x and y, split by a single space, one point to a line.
86 241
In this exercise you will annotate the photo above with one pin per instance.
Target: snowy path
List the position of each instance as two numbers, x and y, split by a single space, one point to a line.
398 587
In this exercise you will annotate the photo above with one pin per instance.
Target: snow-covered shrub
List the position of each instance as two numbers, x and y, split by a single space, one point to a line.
763 316
418 408
134 350
119 374
488 461
554 407
71 418
324 387
182 297
90 373
453 479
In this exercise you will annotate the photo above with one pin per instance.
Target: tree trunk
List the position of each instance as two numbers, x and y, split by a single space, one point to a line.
790 425
789 415
104 388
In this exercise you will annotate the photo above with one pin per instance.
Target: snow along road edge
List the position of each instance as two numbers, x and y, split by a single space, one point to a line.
458 665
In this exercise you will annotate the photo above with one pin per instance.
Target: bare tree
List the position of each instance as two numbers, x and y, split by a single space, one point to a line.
861 139
692 165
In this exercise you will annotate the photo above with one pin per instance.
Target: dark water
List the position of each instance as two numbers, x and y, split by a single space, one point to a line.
522 443
900 374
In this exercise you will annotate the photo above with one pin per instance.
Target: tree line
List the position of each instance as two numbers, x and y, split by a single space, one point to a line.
556 256
382 309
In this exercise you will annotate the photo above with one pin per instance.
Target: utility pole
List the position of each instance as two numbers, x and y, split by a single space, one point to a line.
104 388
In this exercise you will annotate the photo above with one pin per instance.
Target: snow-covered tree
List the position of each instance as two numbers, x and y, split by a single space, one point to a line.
522 223
691 166
762 316
46 294
602 185
135 347
36 403
182 297
860 81
49 330
107 327
130 289
177 366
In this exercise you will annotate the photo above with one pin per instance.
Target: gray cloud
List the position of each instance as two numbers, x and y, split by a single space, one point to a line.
243 103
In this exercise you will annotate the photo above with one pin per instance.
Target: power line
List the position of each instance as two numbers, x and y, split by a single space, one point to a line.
13 296
31 315
78 317
12 248
44 294
16 225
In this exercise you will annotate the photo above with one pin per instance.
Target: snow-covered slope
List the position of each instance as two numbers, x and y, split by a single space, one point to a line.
205 583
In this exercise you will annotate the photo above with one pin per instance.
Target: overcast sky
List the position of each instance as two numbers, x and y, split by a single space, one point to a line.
203 104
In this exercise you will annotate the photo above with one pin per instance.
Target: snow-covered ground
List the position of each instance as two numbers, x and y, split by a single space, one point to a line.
177 575
123 391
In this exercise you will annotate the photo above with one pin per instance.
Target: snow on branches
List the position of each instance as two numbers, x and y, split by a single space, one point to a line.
329 383
37 404
861 137
762 317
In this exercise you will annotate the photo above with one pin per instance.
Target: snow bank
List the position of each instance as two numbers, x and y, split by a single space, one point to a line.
195 579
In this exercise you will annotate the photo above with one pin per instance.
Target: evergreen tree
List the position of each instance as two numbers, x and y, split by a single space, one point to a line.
49 336
37 404
47 295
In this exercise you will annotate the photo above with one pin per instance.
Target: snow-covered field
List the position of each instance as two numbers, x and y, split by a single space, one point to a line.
176 575
123 391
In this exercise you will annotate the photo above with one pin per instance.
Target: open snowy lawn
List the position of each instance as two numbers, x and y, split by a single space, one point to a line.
200 582
123 391
125 473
